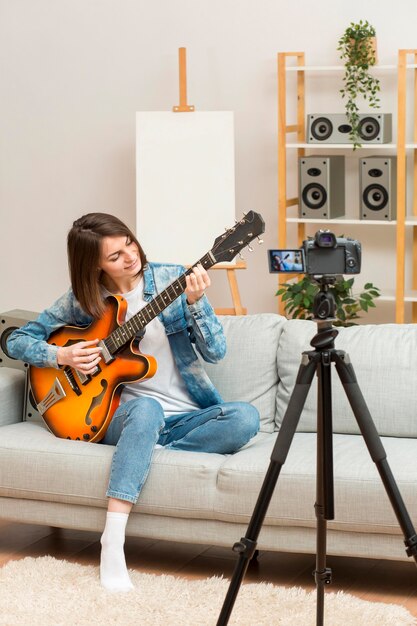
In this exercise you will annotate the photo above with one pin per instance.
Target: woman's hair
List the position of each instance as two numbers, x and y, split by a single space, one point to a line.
84 251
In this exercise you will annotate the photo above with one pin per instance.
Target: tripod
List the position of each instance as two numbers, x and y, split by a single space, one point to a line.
319 360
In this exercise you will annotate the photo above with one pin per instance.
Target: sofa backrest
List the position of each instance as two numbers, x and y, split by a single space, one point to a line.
249 370
384 358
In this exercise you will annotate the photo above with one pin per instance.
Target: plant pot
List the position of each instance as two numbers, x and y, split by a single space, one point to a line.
370 43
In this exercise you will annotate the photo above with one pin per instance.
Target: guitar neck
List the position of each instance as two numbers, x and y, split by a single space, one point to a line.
127 331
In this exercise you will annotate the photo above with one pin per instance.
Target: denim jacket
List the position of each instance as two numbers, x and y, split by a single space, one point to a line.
185 325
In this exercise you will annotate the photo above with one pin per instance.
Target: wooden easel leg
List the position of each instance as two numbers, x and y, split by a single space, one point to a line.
237 309
231 276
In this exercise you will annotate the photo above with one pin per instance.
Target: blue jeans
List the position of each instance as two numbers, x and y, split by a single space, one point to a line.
138 425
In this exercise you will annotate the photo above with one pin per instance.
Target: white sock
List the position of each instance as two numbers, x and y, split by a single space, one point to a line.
113 571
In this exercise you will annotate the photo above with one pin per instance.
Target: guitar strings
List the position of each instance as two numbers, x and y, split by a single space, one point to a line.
119 337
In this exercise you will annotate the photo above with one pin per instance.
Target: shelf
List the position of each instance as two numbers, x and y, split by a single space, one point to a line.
341 68
348 146
342 220
345 146
409 221
390 296
289 131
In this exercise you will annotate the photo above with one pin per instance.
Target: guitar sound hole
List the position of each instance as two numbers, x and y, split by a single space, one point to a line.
96 401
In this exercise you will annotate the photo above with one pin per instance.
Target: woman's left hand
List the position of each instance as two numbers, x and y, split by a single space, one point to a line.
197 282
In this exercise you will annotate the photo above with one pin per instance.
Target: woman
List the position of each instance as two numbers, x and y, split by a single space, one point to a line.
178 408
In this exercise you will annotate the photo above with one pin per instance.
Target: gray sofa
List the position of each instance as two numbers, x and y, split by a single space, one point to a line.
209 498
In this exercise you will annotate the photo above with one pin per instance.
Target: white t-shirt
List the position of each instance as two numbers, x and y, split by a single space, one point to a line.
167 385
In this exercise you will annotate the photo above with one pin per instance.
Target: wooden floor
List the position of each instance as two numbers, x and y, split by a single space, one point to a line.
378 581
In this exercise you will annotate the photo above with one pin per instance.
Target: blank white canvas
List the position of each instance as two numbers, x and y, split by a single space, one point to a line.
185 182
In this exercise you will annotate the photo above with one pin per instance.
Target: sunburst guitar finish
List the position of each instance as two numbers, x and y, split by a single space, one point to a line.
75 406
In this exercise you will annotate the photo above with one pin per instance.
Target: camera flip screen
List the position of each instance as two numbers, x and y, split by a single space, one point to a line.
286 261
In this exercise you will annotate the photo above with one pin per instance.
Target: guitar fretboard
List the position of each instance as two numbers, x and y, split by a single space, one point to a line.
127 331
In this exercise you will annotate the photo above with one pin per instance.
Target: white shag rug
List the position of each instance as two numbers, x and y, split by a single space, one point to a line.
45 591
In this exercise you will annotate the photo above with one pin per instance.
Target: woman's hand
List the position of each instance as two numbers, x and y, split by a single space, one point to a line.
83 356
197 282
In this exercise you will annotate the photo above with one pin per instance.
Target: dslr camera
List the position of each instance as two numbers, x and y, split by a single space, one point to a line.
323 254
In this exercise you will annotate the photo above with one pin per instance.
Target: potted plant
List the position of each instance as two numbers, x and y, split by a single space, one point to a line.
299 297
358 50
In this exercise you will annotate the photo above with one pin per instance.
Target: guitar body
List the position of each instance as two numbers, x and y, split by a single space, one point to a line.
75 406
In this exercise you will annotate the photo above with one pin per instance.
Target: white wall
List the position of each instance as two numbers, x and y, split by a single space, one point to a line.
73 75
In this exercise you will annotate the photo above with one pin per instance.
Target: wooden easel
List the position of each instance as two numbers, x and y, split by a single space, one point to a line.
183 107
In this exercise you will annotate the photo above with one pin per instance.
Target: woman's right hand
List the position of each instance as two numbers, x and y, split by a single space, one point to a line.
83 356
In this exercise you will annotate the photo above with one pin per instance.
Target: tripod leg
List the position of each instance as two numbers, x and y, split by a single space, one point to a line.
373 442
324 506
247 545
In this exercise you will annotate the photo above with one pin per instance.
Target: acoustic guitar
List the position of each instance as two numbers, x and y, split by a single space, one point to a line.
79 406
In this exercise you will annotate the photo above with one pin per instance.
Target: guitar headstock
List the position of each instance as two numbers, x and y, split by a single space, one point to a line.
228 245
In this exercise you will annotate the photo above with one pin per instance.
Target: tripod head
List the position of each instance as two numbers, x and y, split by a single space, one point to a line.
324 305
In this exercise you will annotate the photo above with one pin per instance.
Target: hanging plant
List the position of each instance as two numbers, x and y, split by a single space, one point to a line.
299 299
358 50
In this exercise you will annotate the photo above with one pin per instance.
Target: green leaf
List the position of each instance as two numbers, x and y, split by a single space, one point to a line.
341 314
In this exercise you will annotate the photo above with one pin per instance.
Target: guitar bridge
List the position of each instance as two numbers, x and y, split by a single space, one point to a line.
105 353
54 395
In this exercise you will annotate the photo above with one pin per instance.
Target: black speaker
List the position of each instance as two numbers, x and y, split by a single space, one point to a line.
9 321
321 186
378 188
334 128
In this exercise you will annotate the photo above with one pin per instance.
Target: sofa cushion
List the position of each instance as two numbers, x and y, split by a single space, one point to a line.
361 503
249 370
36 465
384 358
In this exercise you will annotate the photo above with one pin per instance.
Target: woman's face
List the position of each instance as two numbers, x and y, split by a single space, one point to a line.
119 257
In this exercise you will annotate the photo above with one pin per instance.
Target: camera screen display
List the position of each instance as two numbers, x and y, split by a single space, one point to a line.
325 261
286 261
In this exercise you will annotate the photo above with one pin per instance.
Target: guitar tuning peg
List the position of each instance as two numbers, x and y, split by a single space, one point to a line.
260 241
250 248
242 258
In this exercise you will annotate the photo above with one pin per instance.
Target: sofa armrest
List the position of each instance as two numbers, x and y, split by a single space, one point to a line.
12 395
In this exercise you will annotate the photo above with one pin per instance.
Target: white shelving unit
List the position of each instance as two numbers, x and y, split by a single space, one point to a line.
399 147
